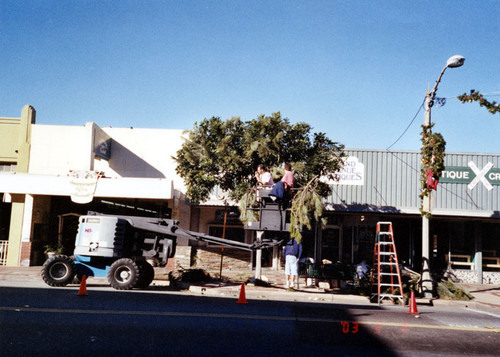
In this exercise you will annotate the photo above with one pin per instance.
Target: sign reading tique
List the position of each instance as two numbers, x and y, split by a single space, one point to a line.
472 175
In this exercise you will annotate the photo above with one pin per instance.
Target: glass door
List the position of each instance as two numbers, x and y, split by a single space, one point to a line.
330 246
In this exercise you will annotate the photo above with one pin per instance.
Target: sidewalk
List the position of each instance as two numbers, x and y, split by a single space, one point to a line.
486 297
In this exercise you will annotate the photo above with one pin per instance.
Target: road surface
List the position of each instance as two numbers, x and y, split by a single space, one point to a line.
55 321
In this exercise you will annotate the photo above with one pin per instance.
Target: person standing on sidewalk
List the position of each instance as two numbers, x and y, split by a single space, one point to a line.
292 252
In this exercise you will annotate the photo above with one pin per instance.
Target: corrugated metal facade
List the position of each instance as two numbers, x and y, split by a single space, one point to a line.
392 184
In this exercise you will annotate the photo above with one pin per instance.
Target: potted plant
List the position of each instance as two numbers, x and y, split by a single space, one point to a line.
51 250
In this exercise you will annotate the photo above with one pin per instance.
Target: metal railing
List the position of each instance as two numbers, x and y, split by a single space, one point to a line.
4 245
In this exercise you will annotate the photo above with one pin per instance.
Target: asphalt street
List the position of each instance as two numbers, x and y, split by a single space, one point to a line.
40 320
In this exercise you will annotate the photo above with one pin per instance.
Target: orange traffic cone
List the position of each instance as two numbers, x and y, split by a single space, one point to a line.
83 286
413 304
242 299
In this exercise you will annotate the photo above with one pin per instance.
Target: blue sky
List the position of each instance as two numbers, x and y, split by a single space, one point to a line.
356 70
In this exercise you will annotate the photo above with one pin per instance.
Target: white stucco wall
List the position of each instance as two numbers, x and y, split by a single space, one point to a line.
135 152
56 149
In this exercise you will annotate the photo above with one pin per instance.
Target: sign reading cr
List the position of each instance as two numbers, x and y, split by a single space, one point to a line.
472 175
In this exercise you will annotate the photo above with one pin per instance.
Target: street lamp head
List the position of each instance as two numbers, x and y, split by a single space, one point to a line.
455 61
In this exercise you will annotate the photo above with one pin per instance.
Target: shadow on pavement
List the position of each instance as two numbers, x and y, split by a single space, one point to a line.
261 325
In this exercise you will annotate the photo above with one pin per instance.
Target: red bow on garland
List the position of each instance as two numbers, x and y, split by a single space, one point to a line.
432 183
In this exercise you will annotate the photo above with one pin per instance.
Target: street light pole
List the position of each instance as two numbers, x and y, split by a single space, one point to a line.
453 62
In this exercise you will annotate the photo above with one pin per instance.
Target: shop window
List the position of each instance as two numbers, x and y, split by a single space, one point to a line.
363 244
330 244
7 167
5 210
347 245
232 232
491 233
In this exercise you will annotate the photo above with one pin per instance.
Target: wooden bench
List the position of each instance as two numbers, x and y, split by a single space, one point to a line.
465 260
490 259
496 260
460 259
496 266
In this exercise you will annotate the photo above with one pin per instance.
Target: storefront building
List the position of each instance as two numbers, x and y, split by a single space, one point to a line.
377 185
14 157
41 198
138 178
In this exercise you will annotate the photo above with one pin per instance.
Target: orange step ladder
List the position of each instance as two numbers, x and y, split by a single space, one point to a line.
385 269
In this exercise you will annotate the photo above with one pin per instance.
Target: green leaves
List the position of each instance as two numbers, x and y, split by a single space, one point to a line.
433 153
474 96
226 154
212 155
307 207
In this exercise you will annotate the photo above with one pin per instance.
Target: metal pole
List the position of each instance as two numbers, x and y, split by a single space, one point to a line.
427 207
258 257
426 274
60 231
223 237
478 257
454 61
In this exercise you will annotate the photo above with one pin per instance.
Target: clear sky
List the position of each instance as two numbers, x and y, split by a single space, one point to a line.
356 70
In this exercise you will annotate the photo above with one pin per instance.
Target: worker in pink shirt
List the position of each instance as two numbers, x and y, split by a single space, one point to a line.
282 188
287 178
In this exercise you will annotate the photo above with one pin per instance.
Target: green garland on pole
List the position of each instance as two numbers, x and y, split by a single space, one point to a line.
474 96
433 153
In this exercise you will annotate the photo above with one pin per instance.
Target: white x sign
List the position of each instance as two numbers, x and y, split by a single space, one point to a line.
480 176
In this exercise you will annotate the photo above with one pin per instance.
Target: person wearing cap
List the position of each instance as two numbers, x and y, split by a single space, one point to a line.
292 252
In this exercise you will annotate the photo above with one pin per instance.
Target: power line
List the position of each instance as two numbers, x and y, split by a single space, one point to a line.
442 187
491 94
408 127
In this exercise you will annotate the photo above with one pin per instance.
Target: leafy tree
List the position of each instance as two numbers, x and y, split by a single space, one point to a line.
226 154
212 155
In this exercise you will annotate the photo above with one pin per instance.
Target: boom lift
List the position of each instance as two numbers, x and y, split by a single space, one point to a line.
117 247
273 214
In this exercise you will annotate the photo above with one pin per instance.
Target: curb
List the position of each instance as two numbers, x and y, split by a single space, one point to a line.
485 302
469 304
273 293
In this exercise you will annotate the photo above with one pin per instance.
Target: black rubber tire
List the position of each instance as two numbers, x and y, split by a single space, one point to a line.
58 270
123 274
146 274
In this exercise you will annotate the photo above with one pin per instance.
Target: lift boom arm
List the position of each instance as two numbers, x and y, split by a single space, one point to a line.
171 227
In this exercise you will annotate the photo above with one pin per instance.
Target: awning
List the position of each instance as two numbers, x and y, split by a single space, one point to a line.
126 187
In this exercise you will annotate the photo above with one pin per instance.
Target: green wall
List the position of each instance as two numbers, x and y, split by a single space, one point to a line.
15 148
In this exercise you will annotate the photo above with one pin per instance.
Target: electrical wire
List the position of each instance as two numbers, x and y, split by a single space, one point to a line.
417 170
491 94
408 127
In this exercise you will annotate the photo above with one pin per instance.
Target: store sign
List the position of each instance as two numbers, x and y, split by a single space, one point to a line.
232 216
472 175
352 173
